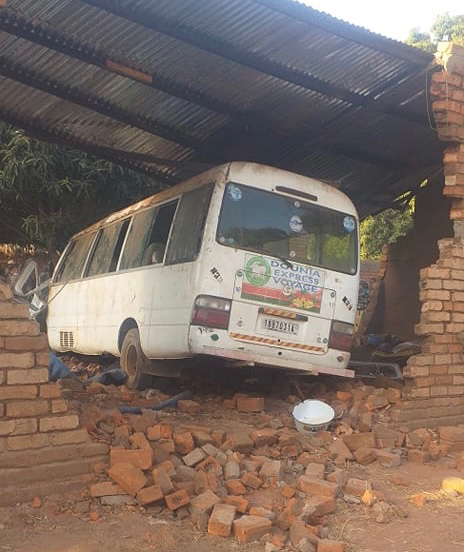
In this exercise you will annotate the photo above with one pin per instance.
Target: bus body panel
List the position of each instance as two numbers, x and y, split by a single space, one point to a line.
160 298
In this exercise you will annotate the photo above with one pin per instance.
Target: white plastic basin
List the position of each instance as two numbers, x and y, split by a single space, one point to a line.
311 416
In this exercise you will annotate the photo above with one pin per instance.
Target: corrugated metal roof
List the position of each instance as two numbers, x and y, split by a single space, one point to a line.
199 82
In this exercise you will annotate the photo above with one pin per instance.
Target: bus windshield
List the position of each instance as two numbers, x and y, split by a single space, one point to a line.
273 224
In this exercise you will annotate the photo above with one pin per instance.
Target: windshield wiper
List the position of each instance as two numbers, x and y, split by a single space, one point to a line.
280 257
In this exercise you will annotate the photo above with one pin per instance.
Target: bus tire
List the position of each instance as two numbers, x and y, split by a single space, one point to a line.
133 361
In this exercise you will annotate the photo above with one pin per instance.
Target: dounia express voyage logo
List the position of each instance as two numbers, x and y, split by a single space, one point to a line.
258 271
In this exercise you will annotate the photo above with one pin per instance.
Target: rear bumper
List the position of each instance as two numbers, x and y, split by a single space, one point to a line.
251 359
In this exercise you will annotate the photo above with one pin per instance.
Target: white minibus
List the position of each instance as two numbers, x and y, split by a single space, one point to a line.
245 262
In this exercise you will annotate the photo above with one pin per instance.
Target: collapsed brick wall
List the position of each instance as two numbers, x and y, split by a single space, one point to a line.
434 391
41 443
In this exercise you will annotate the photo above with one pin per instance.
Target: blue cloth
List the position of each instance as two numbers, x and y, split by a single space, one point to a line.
57 369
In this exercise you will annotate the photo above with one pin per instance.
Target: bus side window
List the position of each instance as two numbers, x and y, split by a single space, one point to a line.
137 239
189 223
156 245
105 254
71 266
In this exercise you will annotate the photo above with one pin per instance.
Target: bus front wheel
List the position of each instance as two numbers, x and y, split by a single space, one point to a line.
133 361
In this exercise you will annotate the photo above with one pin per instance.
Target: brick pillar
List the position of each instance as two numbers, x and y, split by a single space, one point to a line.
434 391
41 443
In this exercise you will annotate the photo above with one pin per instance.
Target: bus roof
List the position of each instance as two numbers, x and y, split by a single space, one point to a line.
247 173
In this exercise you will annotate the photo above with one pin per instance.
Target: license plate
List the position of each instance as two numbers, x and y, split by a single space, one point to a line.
281 326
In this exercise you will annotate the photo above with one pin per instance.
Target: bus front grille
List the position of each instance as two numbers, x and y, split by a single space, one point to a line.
66 339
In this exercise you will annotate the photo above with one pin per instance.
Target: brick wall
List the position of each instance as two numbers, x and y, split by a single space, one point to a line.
41 443
434 392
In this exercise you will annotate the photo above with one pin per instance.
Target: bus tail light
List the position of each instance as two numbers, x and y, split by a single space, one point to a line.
212 312
341 336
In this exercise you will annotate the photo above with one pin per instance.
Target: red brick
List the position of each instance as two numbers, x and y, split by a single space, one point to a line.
315 470
314 486
262 437
16 360
73 436
18 392
37 440
250 479
165 431
321 505
162 479
218 436
239 442
59 406
299 530
388 459
262 512
203 504
177 500
166 445
187 486
70 421
357 440
200 482
21 377
250 404
167 466
228 404
25 426
18 327
202 438
287 491
183 442
240 503
106 488
50 391
356 487
139 441
42 359
14 310
220 522
140 458
22 409
271 469
325 545
190 407
235 487
26 343
250 528
148 495
128 477
5 292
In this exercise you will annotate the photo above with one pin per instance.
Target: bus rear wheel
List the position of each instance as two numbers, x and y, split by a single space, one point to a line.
133 361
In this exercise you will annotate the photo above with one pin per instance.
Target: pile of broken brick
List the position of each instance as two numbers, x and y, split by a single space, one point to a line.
263 482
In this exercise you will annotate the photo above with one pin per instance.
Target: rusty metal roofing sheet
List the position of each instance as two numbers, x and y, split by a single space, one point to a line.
208 81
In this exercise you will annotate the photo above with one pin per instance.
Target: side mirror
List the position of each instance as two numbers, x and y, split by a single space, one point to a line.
27 281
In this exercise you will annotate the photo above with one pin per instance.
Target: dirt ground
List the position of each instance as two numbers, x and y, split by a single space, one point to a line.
58 526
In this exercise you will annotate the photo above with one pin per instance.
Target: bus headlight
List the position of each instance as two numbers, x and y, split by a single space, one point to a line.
212 312
341 336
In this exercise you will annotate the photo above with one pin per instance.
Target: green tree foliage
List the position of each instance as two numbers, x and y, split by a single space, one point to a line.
386 227
48 192
449 28
420 40
446 27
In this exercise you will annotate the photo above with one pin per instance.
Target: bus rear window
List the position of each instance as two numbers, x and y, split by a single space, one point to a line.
272 224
